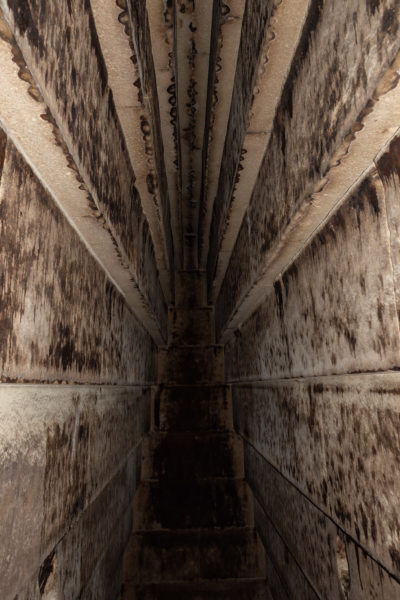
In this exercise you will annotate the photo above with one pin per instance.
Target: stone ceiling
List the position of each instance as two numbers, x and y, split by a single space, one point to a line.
200 89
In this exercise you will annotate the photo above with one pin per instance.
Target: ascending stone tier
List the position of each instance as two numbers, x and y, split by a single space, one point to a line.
194 535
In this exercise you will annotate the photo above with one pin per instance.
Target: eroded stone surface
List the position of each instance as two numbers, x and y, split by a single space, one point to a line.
152 128
60 45
54 470
345 49
285 578
334 310
367 578
309 535
61 317
254 31
336 440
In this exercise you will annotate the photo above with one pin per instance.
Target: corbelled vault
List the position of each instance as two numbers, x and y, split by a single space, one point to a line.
200 299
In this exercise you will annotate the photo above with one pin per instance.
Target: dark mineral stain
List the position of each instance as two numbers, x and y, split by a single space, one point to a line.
94 41
25 22
45 571
372 6
389 163
390 22
301 53
279 297
3 145
395 556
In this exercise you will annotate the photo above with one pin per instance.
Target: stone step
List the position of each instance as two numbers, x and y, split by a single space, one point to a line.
189 408
235 589
163 556
195 504
180 365
191 455
191 326
190 288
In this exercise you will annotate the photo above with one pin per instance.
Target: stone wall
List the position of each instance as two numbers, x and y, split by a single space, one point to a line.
315 388
69 447
314 369
344 51
60 49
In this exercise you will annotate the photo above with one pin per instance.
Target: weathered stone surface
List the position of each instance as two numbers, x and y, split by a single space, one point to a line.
151 129
60 45
103 516
389 170
106 580
334 310
61 316
285 578
254 31
367 578
53 468
69 560
191 289
335 439
307 532
344 51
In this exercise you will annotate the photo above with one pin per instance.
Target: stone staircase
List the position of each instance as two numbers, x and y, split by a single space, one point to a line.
194 535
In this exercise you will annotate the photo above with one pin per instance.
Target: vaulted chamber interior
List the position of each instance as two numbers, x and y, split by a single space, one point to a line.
200 277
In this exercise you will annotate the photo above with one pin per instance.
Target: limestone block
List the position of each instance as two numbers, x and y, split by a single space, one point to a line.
118 428
336 439
69 560
306 531
367 578
285 578
62 318
102 517
152 127
73 82
106 579
334 310
255 25
49 463
190 289
320 103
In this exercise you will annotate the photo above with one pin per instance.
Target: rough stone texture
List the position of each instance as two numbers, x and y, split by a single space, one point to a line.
56 475
285 577
254 31
367 578
143 47
61 317
336 440
327 448
308 534
334 310
344 50
60 45
389 170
